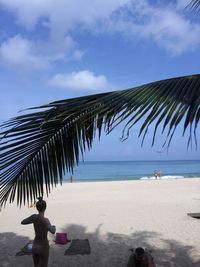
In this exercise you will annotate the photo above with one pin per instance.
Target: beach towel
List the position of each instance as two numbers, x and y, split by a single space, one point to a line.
26 250
78 246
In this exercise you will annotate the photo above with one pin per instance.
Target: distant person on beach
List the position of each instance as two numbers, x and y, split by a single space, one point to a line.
71 179
141 258
42 225
157 174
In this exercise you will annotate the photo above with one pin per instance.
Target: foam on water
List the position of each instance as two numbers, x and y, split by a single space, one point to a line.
166 177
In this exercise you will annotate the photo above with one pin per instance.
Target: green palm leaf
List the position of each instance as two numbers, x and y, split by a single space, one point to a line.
38 147
194 4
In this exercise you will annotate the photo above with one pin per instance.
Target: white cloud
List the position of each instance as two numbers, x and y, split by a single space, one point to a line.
163 23
78 54
19 52
82 80
27 12
166 26
61 15
171 30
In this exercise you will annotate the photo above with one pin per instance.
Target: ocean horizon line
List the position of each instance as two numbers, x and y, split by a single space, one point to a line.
146 160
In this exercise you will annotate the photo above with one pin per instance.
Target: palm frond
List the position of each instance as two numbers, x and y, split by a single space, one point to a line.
194 5
38 147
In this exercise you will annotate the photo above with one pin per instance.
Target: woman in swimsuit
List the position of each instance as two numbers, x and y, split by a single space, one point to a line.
42 225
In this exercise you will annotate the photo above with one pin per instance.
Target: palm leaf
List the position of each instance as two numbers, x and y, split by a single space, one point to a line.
39 147
194 5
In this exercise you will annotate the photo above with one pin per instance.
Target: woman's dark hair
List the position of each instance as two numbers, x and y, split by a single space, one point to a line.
139 252
41 204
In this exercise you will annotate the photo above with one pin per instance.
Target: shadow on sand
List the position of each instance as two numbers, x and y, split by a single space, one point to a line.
106 251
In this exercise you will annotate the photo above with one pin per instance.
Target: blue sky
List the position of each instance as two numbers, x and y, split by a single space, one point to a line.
52 50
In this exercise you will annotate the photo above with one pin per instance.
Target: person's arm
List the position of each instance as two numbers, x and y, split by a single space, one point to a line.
28 220
51 228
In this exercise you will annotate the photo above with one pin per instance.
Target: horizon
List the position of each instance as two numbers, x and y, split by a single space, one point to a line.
138 160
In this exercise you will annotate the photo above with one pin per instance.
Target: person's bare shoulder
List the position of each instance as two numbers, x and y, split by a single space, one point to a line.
47 221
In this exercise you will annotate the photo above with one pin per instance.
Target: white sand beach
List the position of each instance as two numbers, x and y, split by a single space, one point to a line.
114 216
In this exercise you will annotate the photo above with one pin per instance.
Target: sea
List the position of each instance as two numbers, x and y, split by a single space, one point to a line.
91 171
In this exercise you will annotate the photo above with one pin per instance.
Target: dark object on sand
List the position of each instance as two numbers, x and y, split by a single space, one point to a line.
26 250
194 215
78 246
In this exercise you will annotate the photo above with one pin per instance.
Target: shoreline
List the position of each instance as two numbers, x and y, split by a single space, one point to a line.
151 178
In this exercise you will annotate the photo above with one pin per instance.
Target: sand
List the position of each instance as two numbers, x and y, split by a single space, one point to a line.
114 216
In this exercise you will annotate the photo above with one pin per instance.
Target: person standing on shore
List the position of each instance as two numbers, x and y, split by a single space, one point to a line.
42 225
157 174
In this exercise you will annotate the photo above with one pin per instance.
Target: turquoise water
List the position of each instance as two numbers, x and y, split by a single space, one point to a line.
134 170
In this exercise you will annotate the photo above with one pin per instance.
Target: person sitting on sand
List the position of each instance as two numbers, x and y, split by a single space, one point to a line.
141 258
40 250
